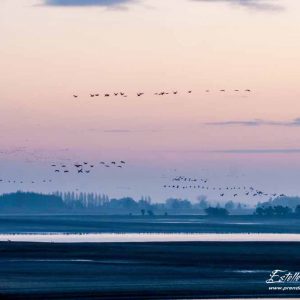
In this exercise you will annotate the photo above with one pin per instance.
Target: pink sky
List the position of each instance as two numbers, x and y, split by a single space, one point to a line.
50 52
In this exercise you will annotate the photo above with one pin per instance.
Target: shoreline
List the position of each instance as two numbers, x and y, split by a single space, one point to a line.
147 237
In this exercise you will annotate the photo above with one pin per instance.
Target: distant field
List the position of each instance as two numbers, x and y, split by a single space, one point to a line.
139 224
185 270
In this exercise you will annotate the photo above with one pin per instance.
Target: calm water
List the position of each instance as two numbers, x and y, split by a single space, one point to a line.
177 270
139 224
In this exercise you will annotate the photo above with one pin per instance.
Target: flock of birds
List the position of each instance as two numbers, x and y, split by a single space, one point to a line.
25 182
161 93
179 182
85 167
235 191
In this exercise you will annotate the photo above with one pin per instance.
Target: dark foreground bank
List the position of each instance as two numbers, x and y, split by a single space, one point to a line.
145 270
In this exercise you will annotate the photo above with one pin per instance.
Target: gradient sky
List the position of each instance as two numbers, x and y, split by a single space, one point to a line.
52 49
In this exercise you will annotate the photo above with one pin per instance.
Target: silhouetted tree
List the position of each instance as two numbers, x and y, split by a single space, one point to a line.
216 211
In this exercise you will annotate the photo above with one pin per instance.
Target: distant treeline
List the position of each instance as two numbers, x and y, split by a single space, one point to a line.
281 206
144 206
93 203
22 202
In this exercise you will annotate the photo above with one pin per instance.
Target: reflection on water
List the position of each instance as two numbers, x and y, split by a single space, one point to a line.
148 237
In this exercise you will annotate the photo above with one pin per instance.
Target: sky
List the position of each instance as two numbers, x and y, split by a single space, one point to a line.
52 49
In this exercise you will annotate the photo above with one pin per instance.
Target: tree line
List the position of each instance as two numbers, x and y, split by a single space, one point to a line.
94 203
